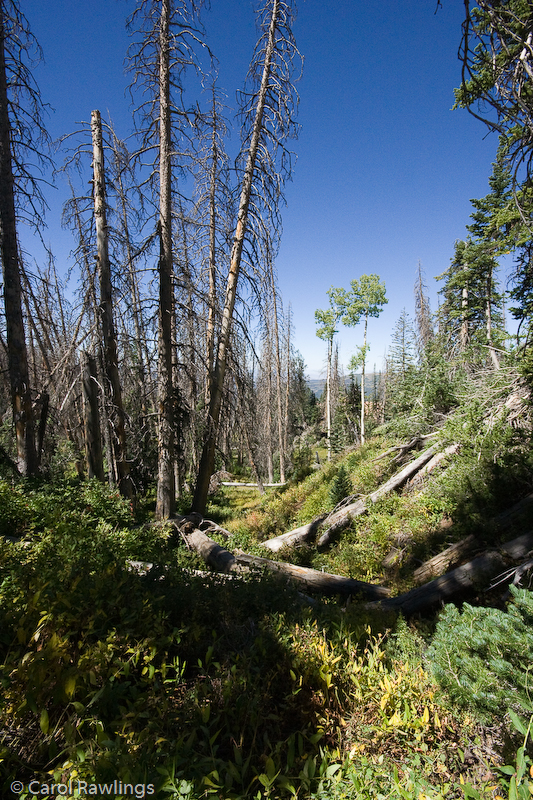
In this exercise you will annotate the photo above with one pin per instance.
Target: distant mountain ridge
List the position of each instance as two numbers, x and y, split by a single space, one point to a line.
318 385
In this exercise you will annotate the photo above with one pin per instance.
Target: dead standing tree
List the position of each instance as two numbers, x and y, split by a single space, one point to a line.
268 111
105 310
21 133
167 37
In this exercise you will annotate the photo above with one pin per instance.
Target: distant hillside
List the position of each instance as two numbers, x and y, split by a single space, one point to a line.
318 385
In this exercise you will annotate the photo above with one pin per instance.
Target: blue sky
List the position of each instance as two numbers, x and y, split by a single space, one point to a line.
385 168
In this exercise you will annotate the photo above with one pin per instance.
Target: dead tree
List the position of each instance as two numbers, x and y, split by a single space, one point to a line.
21 133
268 120
91 417
166 36
105 310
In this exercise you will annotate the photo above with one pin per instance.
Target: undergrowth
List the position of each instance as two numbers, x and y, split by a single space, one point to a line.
197 686
200 686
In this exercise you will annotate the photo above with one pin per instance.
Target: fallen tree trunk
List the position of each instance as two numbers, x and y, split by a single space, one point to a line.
341 519
462 580
338 520
433 462
311 579
438 564
295 536
404 448
237 485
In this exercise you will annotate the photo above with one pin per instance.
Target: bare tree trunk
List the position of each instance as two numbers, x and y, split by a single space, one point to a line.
488 318
287 389
106 310
363 385
93 441
464 315
312 579
212 297
166 492
207 460
140 337
328 396
269 446
16 342
278 379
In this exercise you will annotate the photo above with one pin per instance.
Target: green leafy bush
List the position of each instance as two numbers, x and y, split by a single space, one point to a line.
13 510
483 656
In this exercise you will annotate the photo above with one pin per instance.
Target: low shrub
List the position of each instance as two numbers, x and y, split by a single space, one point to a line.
483 656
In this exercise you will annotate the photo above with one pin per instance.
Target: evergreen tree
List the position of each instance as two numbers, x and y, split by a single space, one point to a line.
341 486
472 307
403 384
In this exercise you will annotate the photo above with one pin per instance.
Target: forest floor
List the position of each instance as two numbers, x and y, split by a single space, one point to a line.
124 659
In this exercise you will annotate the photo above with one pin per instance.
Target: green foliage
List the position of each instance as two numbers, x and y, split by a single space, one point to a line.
13 510
198 685
341 486
515 776
483 656
494 463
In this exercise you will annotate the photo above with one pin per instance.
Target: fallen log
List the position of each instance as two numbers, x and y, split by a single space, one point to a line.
462 580
295 536
435 566
404 448
311 579
433 462
341 519
237 485
508 519
353 510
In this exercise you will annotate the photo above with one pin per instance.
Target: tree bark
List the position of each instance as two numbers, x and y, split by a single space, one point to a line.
166 492
93 441
222 560
488 322
295 536
435 566
461 581
105 310
16 341
207 459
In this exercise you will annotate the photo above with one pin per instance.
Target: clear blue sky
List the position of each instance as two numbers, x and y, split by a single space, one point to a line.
385 168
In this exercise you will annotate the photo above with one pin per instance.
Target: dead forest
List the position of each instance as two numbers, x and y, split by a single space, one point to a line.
215 582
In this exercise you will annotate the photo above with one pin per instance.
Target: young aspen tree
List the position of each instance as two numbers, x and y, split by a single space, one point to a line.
365 299
328 320
268 109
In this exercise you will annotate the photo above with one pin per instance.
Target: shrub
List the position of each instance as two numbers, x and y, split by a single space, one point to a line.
483 656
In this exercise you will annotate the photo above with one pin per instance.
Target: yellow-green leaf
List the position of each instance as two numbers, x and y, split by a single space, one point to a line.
44 721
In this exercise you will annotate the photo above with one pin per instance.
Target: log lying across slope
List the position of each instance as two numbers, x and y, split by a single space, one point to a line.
513 517
223 561
462 580
340 519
